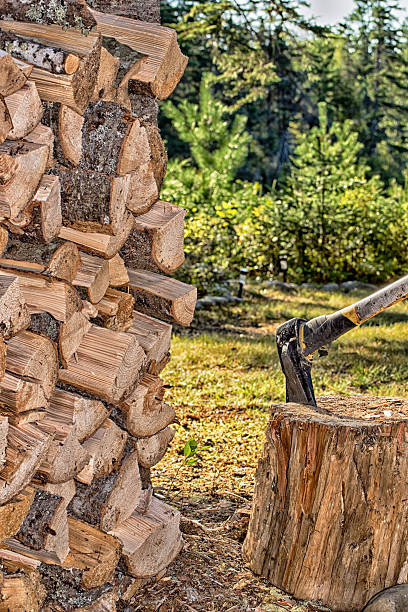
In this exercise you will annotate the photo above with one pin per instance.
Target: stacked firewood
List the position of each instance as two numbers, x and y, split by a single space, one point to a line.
86 303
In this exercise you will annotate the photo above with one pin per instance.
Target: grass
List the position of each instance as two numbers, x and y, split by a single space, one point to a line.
224 375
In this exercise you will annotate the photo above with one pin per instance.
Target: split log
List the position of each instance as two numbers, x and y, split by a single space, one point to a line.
14 315
27 445
46 525
73 89
166 298
109 501
19 593
29 163
14 512
159 72
103 603
148 10
44 294
108 364
157 242
105 449
25 110
33 358
146 413
100 244
151 540
65 490
158 153
105 80
115 310
70 134
143 190
43 215
11 77
92 201
21 396
67 13
118 276
152 450
5 120
93 276
42 134
154 337
87 415
330 496
71 335
2 359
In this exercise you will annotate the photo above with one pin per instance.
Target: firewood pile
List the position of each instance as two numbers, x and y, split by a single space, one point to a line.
87 302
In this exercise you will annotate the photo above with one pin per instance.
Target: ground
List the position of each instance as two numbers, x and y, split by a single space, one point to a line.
223 377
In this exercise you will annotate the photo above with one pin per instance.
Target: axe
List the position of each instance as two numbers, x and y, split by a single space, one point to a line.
297 340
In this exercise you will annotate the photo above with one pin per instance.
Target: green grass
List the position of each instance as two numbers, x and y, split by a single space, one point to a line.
225 374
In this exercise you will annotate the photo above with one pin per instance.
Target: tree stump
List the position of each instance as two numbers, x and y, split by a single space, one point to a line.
330 511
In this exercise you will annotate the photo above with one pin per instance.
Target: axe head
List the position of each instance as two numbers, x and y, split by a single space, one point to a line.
296 367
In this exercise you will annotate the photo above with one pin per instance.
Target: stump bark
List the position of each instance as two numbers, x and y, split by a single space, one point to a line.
330 509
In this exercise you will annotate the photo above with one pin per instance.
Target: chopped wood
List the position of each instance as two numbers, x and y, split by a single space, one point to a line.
4 427
18 395
108 69
45 294
159 72
25 110
76 89
18 593
151 540
157 242
65 457
93 201
5 121
118 276
100 244
21 418
42 134
115 310
106 364
44 219
58 259
13 513
70 134
14 315
67 13
146 413
93 275
71 335
66 490
33 358
27 445
46 525
11 77
89 310
143 190
166 298
30 162
152 450
109 501
105 449
65 262
104 603
148 10
158 153
154 337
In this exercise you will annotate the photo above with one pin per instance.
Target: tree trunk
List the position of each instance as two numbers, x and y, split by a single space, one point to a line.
329 512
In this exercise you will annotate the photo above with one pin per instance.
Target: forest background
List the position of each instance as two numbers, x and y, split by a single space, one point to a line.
288 141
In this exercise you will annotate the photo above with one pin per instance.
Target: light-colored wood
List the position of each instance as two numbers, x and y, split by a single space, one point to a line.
14 512
65 263
42 134
47 222
11 77
70 134
107 364
19 594
143 190
66 490
21 418
154 337
4 428
14 315
33 358
157 242
93 275
152 450
118 276
25 68
146 413
45 294
151 540
105 449
108 69
71 335
163 65
166 298
59 259
5 121
92 551
27 445
25 110
116 310
71 63
330 496
30 164
21 396
100 244
4 236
